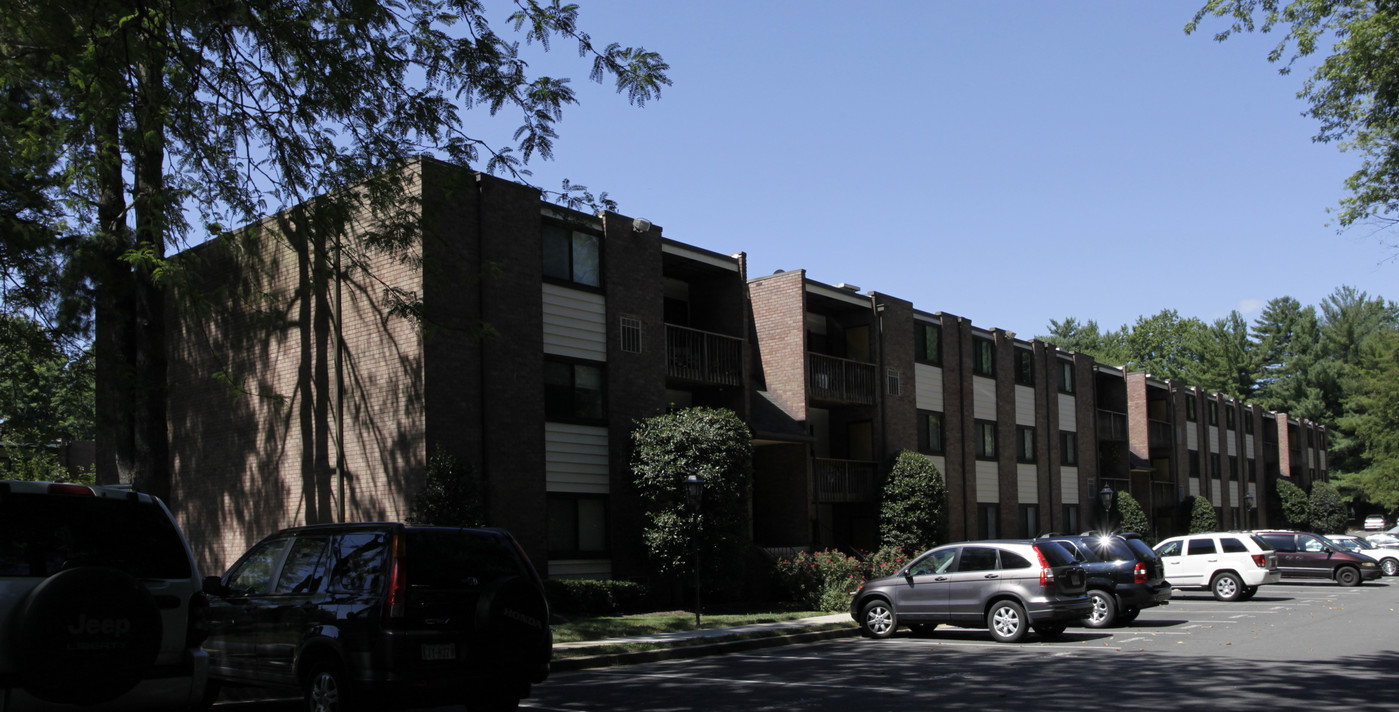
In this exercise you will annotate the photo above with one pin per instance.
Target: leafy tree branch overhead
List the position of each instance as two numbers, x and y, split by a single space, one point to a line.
136 127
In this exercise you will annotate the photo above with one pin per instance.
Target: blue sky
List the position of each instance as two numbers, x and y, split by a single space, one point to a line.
1009 162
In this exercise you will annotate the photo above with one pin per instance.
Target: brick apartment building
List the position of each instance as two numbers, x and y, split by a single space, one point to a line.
296 397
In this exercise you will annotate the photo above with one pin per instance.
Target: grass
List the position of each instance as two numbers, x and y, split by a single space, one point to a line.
665 622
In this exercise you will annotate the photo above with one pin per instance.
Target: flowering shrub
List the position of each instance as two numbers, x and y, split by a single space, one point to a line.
821 581
885 562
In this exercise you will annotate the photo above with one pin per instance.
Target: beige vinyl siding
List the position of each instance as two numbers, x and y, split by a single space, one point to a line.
939 462
1068 416
1214 439
575 458
983 398
1248 444
988 481
575 323
1024 405
928 382
1027 484
1068 486
1233 446
1194 486
1192 436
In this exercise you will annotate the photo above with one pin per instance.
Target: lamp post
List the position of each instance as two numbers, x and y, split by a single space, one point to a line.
1248 511
1105 497
694 496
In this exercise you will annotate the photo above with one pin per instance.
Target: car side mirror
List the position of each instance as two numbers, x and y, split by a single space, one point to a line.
213 586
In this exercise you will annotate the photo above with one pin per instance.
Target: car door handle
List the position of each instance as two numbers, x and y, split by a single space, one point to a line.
940 578
991 576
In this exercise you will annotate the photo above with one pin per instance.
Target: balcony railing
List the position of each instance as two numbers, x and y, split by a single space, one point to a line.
703 356
846 480
1159 433
1112 426
840 380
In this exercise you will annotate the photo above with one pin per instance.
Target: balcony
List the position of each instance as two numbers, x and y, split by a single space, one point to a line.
703 357
1112 426
846 480
839 380
1158 433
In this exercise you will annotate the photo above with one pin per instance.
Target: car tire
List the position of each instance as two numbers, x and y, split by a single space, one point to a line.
1227 586
1104 612
1348 576
1050 630
1248 593
1007 622
1390 567
1128 615
93 624
923 628
878 620
328 689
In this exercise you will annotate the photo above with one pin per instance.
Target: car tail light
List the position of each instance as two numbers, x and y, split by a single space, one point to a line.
1046 573
1261 560
68 488
396 605
1139 574
197 628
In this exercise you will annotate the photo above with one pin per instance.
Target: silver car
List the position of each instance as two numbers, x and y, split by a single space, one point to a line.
1010 587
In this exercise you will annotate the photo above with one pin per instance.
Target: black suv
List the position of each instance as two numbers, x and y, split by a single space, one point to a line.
1124 575
379 615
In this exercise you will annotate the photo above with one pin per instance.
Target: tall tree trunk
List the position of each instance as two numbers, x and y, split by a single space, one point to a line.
114 344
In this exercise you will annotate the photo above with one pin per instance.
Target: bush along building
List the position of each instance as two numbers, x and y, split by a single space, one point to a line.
543 334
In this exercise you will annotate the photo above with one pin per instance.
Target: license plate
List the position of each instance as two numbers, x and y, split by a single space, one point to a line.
439 651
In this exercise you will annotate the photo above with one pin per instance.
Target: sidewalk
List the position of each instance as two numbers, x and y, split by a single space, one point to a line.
706 641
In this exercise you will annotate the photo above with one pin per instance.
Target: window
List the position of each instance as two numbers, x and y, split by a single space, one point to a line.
1170 548
1025 367
577 525
1025 443
985 440
1196 547
1190 405
978 558
1214 465
988 521
1230 545
572 256
1248 422
254 577
304 571
1066 376
1071 518
983 357
927 343
359 562
573 392
629 334
1214 412
1194 457
1252 467
1029 520
930 432
1229 418
892 379
1068 448
1233 467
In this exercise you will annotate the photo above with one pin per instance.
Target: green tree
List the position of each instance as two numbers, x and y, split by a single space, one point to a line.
715 445
1286 334
1295 506
168 121
1354 91
45 393
451 494
1202 516
1086 338
1326 510
1162 345
1374 410
1226 358
1130 515
913 511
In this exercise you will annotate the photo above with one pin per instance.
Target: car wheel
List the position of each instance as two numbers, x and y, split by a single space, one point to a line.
1347 576
1390 567
327 688
1227 587
1248 593
1104 611
923 628
93 624
1050 630
878 620
1128 615
1006 621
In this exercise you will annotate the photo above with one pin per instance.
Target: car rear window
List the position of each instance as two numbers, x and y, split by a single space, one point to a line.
1143 552
42 534
1230 545
444 558
1196 547
1054 553
1281 542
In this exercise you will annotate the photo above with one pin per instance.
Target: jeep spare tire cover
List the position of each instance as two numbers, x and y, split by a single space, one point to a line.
513 618
86 635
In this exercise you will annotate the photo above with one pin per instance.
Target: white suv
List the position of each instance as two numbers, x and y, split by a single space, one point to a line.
101 606
1232 565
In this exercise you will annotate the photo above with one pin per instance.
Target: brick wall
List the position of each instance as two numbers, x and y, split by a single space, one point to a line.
778 304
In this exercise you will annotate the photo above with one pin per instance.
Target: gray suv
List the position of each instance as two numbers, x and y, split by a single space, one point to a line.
1008 586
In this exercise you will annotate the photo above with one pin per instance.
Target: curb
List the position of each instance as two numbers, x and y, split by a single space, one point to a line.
678 652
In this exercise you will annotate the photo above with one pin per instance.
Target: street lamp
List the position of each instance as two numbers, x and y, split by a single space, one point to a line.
694 496
1105 497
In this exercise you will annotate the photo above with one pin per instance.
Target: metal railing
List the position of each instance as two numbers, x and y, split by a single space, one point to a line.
1112 426
840 380
1158 433
703 356
846 480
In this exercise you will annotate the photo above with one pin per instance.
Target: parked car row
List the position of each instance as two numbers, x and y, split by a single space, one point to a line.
1014 586
102 608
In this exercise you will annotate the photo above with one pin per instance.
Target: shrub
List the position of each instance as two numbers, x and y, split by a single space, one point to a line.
1326 512
1202 517
913 512
1131 517
820 581
451 494
1294 504
592 597
887 561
